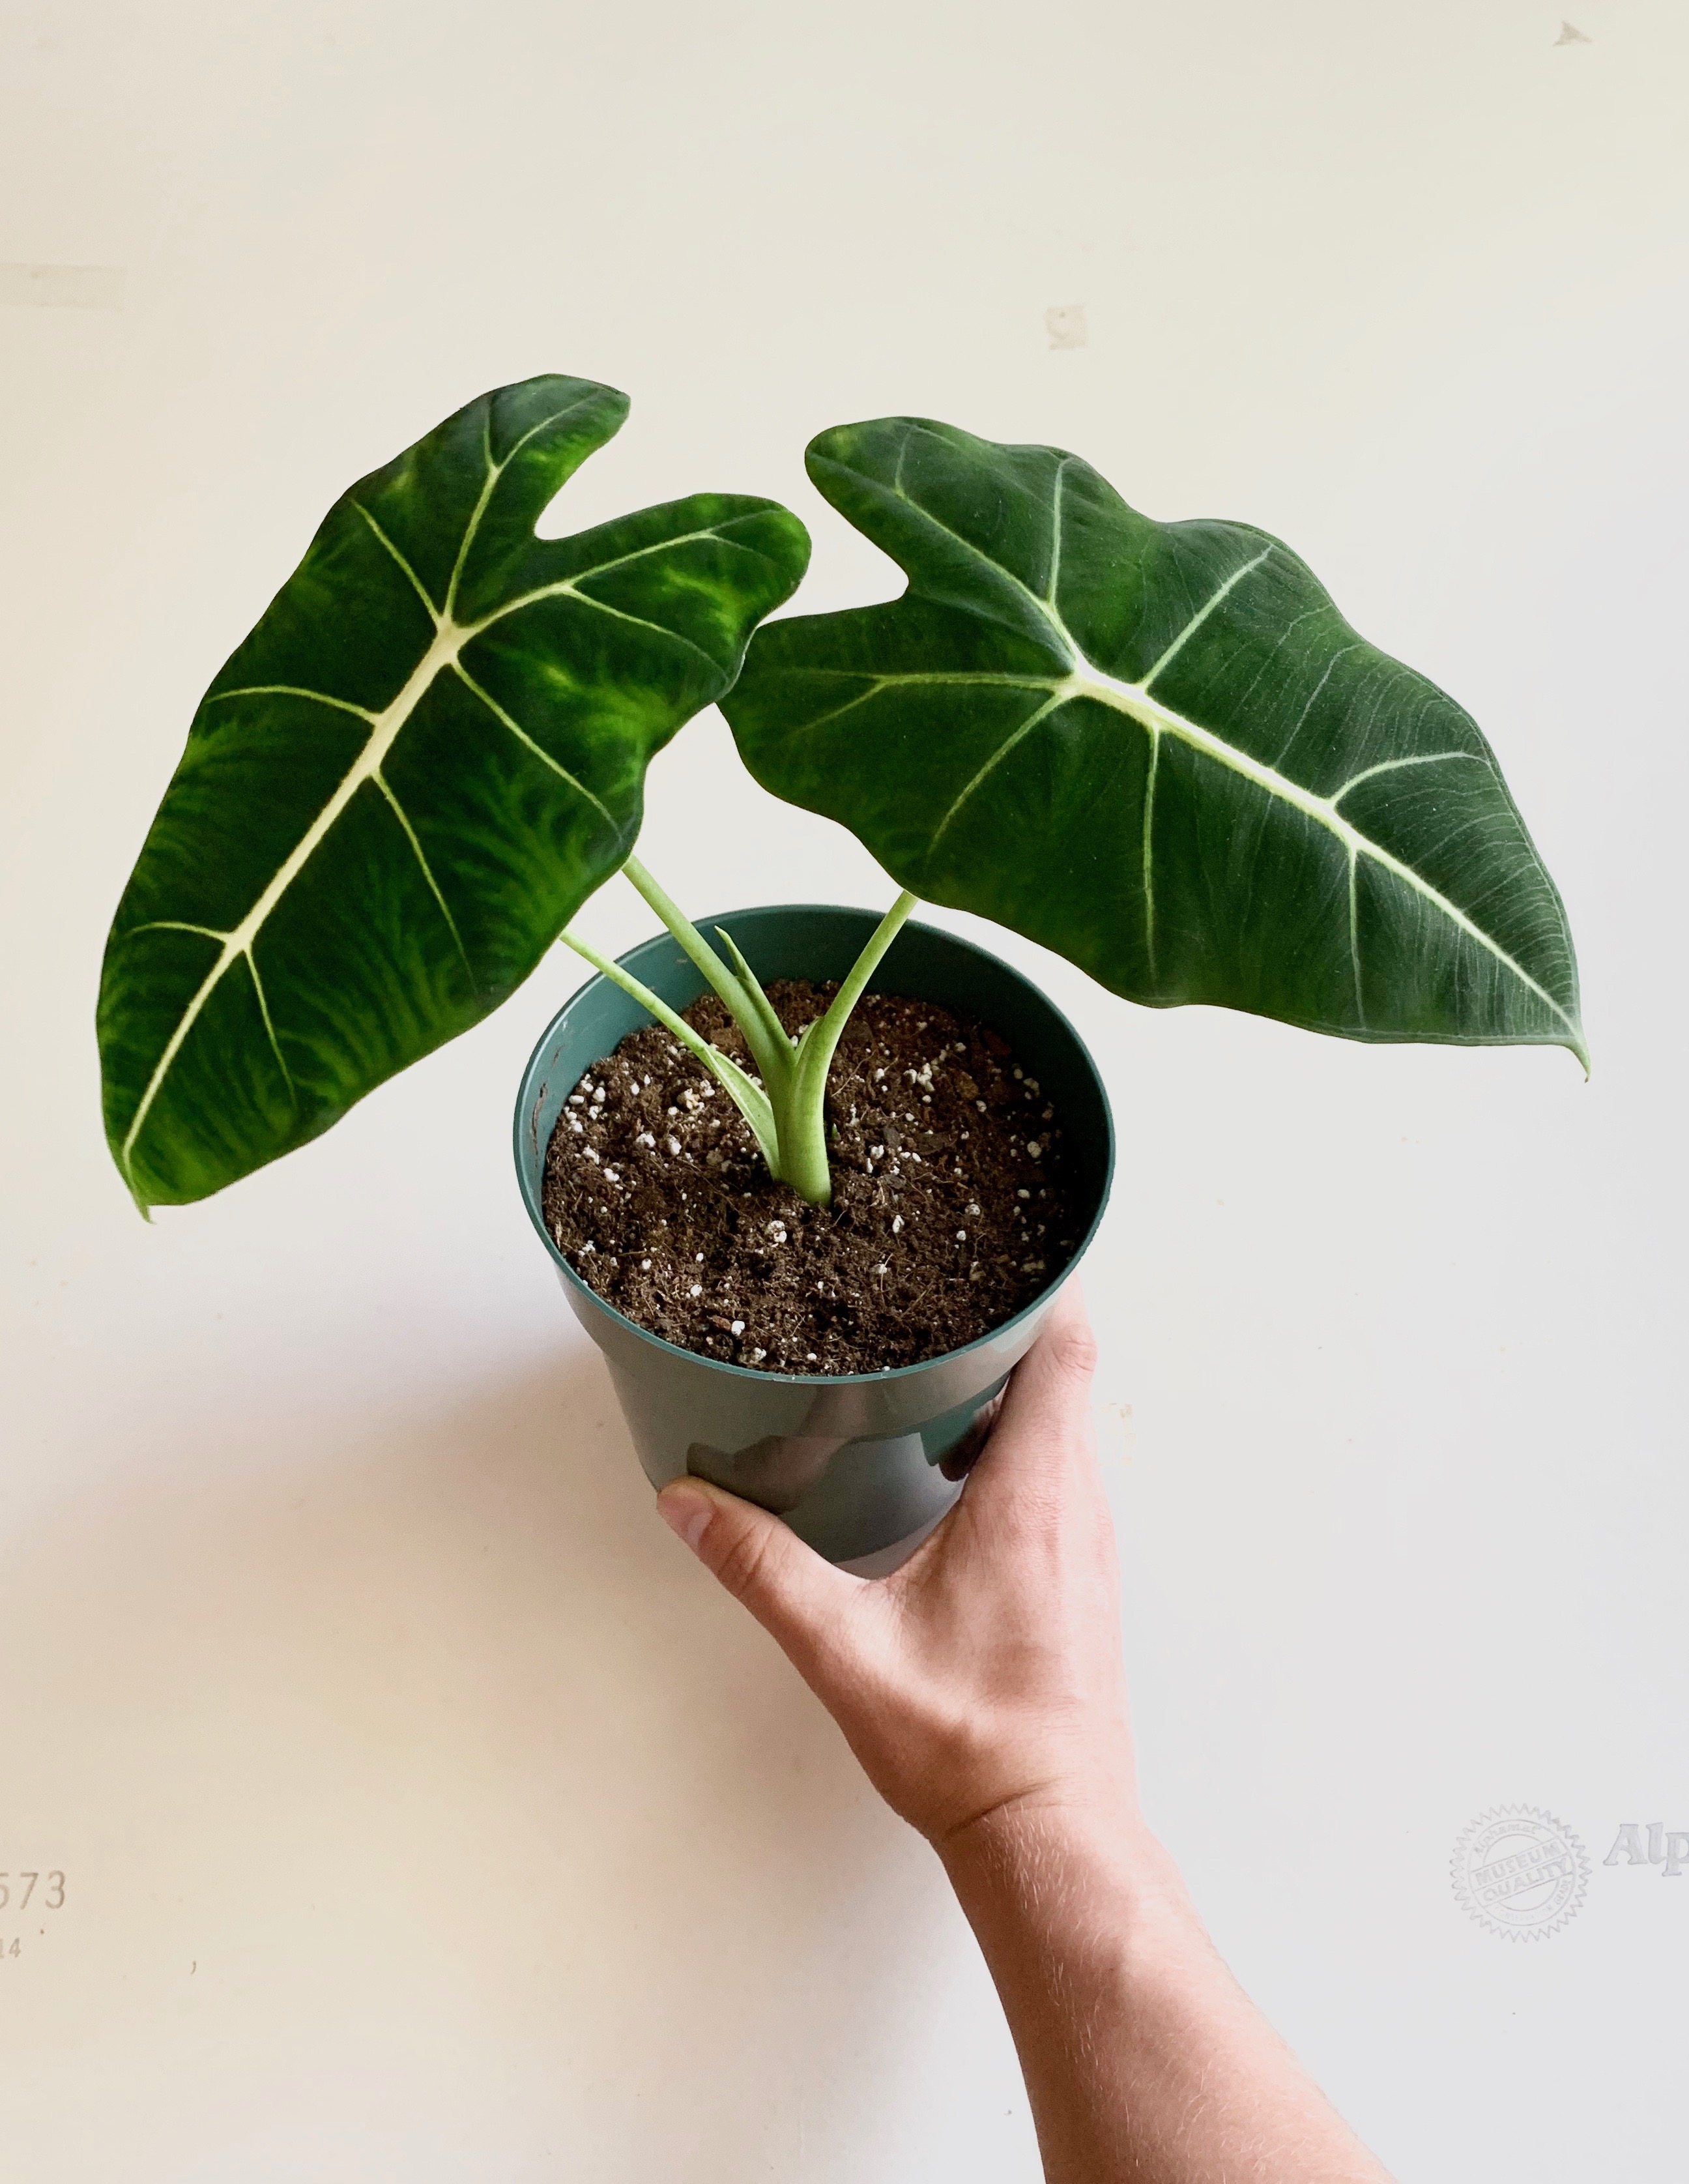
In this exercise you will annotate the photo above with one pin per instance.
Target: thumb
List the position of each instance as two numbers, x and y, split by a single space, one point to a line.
791 1591
1043 1429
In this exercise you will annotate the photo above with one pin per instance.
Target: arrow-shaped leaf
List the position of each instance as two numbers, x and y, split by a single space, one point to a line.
428 753
1156 748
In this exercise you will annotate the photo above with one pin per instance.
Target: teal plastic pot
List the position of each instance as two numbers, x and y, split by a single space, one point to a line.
851 1461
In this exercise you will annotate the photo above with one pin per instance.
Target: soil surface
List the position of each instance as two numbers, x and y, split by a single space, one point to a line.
949 1211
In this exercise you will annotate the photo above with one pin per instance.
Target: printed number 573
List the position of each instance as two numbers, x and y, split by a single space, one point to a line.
52 1896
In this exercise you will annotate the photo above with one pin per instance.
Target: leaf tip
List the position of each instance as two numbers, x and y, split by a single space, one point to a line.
1576 1040
143 1206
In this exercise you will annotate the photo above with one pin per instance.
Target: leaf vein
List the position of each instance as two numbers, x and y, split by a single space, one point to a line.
403 817
293 690
1050 704
540 752
415 581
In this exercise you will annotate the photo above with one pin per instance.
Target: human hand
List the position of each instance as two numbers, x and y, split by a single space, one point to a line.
983 1688
986 1675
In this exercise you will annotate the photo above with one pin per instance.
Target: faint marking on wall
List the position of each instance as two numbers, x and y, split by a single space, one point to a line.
63 287
1571 35
1065 323
1121 1444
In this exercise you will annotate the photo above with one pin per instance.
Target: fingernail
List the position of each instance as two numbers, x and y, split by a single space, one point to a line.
686 1512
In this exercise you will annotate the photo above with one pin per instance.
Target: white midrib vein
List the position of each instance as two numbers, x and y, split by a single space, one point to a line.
450 637
1134 701
384 731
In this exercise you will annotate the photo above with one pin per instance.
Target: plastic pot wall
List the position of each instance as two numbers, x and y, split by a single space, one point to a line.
851 1462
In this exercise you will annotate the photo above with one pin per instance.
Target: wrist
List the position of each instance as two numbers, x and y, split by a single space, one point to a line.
1040 1858
1140 2051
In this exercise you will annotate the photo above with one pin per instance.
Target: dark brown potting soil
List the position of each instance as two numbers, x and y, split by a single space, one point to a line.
950 1208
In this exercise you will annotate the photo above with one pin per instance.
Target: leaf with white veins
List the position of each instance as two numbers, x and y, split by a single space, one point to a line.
428 753
1157 749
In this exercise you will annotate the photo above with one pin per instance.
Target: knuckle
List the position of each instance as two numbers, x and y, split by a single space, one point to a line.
1073 1351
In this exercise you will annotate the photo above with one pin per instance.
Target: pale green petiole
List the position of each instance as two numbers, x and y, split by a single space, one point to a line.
786 1111
803 1142
771 1048
747 1095
778 1040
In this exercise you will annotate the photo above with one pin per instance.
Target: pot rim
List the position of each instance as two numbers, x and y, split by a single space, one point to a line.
888 1373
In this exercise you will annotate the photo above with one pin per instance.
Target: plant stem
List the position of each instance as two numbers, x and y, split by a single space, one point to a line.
803 1139
780 1040
787 1111
739 993
747 1096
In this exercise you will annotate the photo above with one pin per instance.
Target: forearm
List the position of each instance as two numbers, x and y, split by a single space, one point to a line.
1142 2057
984 1677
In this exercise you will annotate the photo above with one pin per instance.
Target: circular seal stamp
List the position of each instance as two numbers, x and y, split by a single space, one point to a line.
1520 1872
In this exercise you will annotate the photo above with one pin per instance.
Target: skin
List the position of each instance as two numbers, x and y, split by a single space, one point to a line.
983 1688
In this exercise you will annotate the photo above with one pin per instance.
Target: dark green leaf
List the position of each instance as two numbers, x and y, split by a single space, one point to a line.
1156 748
400 788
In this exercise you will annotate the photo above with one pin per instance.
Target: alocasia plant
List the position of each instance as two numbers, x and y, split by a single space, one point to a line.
1156 747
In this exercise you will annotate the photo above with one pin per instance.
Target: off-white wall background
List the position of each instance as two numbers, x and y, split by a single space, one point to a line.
426 1813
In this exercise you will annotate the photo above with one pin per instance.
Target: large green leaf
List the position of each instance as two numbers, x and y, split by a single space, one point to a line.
1156 748
395 795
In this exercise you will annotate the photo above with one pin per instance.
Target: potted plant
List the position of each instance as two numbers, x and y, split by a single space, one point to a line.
1156 747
